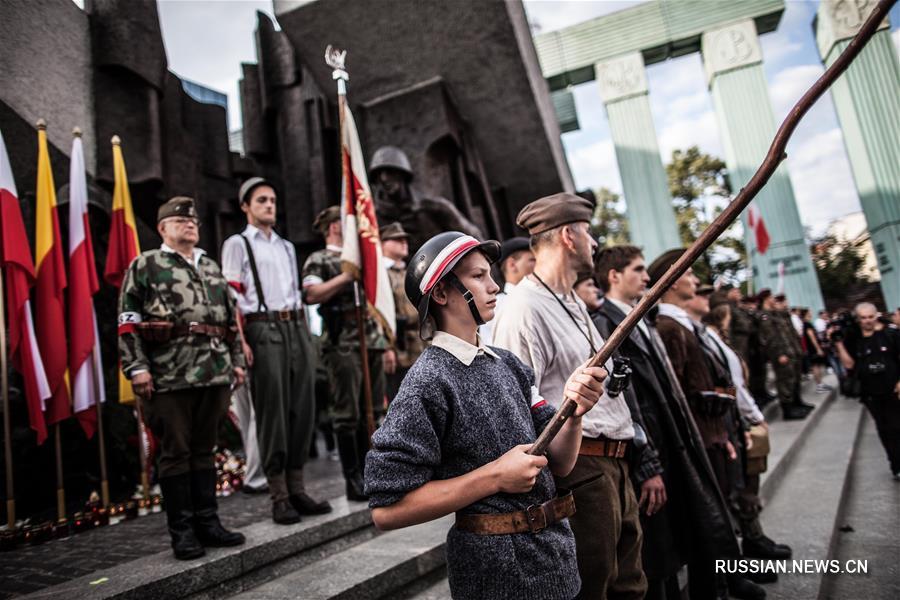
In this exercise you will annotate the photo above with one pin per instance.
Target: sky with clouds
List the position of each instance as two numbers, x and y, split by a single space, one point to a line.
206 40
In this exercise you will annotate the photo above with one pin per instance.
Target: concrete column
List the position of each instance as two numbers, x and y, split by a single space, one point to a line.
623 87
867 100
733 61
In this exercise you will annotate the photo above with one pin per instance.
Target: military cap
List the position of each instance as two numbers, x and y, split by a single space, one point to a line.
552 211
179 206
762 295
393 231
663 262
251 184
513 245
326 218
780 297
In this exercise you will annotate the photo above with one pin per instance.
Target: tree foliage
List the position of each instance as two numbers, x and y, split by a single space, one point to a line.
609 224
698 181
839 265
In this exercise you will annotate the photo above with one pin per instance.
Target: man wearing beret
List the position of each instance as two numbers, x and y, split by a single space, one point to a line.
547 326
261 267
325 284
408 345
516 262
177 343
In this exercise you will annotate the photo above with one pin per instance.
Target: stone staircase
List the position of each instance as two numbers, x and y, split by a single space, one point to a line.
342 556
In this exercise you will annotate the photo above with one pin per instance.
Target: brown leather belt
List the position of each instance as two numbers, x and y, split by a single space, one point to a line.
728 391
274 315
533 519
207 329
604 447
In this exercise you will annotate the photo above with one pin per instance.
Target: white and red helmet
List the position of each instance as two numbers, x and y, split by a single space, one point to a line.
433 262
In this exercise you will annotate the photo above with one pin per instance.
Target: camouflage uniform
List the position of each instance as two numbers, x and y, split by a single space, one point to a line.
191 373
745 340
777 338
340 345
409 345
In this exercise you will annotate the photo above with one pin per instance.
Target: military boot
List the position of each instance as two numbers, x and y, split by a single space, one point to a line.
179 514
282 511
792 412
299 499
743 588
207 526
765 547
347 449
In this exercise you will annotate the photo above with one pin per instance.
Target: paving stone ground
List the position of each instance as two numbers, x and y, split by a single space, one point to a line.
28 569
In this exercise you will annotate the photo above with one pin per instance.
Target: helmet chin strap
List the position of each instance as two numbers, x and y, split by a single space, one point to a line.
470 299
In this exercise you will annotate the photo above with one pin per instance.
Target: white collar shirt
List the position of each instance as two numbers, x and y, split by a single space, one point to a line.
462 350
276 263
677 313
196 254
534 327
746 404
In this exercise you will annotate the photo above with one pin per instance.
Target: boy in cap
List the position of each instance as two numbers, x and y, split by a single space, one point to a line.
456 435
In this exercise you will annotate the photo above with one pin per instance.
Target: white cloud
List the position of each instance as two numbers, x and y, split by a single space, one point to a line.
823 183
788 85
550 15
680 132
896 36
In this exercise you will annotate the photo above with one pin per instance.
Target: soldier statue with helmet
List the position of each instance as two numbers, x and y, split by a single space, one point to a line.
397 200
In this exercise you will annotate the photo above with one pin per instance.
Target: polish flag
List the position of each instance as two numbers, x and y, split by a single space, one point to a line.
361 254
84 339
758 226
18 277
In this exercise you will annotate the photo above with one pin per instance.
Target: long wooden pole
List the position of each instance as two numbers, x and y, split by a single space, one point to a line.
60 484
773 158
7 423
336 61
101 441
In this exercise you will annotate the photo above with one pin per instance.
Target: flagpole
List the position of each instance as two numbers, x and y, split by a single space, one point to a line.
60 488
7 424
142 435
335 59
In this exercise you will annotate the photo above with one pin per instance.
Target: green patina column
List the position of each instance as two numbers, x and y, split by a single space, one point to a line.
733 61
867 99
651 219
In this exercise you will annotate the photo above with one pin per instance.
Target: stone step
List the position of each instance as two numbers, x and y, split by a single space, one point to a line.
439 590
224 571
379 568
868 526
804 505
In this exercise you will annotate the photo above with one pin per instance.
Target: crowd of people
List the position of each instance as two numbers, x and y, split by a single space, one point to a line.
656 473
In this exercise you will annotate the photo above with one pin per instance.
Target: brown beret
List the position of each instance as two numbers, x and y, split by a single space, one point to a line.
552 211
393 231
662 263
326 218
179 206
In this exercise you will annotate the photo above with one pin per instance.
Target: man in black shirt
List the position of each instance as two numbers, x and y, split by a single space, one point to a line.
874 357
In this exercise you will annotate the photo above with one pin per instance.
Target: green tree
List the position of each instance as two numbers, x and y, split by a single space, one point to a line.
609 223
696 181
839 265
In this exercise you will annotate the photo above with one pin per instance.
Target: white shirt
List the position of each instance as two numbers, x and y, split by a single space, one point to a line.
746 403
487 330
196 254
820 324
534 327
460 348
677 313
797 322
627 308
276 262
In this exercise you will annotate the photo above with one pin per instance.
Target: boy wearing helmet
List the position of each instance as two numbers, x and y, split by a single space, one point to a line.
456 435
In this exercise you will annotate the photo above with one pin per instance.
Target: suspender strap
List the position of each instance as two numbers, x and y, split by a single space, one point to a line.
256 283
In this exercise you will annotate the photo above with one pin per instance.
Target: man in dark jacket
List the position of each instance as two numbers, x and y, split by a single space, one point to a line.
693 526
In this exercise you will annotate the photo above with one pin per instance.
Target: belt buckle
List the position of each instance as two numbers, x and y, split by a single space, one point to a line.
193 326
620 449
532 518
284 315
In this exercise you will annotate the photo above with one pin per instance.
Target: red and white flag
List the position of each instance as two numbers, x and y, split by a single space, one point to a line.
18 277
758 226
84 339
361 254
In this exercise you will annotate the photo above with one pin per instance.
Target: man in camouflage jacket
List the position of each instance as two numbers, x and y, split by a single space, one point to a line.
177 346
325 284
778 341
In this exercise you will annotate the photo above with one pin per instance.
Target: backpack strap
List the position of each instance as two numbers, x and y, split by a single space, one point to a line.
256 283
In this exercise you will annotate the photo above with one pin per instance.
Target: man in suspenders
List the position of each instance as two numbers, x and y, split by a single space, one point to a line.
262 267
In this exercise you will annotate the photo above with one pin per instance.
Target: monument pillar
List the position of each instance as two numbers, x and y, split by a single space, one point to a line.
732 59
867 100
651 219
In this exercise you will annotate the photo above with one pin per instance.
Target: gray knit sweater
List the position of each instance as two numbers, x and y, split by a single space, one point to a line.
449 419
